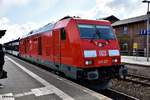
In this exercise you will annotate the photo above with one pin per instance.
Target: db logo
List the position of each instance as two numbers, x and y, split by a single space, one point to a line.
102 53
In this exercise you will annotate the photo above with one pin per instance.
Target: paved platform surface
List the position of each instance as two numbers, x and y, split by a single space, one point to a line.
28 82
135 60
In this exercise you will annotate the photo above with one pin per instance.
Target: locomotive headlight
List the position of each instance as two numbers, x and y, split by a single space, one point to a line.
89 62
90 53
115 60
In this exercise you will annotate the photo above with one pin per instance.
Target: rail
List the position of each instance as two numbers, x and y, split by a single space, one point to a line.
116 95
138 79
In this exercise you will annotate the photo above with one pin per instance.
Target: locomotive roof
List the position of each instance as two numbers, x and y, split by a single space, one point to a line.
50 26
45 28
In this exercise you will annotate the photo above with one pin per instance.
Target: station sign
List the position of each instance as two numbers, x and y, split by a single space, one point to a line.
143 32
135 45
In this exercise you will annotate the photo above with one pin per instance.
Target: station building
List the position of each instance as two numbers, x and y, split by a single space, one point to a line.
132 35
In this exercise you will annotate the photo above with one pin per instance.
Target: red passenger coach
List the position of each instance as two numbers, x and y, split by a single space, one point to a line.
79 48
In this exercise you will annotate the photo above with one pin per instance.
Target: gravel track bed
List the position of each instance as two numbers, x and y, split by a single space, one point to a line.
132 89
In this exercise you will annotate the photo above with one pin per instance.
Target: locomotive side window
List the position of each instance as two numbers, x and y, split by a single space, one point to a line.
63 34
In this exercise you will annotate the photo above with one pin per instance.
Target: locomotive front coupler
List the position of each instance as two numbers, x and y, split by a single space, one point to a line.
123 71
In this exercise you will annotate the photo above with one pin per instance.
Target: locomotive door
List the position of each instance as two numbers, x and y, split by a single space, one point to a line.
56 46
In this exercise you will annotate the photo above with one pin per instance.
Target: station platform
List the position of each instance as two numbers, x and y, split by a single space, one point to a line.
135 60
28 82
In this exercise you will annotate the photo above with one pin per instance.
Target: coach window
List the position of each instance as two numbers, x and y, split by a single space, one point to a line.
63 34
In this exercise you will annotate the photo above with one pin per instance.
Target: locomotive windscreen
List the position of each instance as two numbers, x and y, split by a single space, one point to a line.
96 32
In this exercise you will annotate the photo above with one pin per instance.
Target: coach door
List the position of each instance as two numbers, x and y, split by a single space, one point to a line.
56 46
39 46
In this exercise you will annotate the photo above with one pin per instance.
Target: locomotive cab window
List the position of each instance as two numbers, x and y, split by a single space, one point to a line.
63 34
96 32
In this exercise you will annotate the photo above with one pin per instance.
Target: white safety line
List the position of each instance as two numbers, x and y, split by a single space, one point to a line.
42 91
23 94
88 91
58 92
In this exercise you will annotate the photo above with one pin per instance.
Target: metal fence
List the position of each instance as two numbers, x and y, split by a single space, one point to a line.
141 53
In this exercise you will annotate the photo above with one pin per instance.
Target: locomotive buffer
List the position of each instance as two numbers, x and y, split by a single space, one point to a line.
28 82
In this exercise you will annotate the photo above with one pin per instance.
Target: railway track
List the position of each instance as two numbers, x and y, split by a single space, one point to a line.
116 95
138 79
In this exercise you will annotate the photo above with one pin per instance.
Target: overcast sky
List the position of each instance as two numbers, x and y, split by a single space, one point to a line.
19 17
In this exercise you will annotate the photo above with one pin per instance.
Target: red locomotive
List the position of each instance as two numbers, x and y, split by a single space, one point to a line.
79 48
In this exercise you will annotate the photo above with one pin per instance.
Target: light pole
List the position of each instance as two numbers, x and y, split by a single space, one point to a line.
145 1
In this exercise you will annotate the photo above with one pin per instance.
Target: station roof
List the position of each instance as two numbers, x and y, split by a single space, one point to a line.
16 40
130 20
110 18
